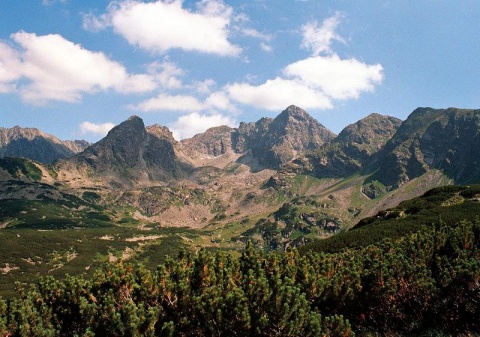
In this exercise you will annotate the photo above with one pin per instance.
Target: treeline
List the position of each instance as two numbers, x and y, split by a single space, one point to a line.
427 283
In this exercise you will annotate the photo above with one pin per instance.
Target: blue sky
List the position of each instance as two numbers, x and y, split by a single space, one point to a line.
76 68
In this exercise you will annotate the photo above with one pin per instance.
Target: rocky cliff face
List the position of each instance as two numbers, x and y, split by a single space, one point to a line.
36 145
354 148
214 142
130 154
278 141
444 139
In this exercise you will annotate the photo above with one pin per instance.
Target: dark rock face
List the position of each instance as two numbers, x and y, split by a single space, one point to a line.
395 152
122 147
159 151
353 149
34 144
130 152
275 142
445 139
272 142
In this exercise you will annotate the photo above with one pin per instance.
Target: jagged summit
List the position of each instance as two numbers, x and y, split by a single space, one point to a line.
294 111
354 148
444 139
375 130
35 144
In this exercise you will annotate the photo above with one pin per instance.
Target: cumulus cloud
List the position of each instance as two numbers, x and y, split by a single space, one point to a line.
204 87
189 125
220 101
170 103
318 39
96 129
167 74
337 78
163 25
313 82
57 69
278 93
9 68
94 23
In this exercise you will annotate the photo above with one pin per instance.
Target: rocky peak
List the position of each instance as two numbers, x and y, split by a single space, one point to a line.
37 145
213 142
121 147
354 148
278 141
369 134
444 139
293 113
161 132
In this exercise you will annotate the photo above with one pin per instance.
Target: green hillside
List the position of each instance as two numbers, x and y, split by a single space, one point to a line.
443 205
422 284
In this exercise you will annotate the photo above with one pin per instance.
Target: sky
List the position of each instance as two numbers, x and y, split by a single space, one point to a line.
76 68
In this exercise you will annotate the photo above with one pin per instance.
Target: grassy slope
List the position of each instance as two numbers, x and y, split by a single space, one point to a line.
448 204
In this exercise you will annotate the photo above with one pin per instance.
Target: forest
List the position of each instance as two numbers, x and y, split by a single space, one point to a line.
425 283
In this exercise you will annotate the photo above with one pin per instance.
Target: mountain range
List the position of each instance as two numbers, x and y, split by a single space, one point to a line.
246 177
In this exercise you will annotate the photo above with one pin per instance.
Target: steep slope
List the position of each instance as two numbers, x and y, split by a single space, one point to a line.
214 142
443 139
278 141
34 144
129 155
448 205
353 149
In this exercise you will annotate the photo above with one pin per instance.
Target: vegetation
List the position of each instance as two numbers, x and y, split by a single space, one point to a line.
19 167
423 283
447 204
293 224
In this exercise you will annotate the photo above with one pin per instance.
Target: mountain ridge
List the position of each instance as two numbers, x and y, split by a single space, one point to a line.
37 145
244 176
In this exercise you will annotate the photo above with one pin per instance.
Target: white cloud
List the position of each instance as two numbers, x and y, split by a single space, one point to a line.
313 82
255 33
318 39
57 69
204 87
94 23
220 101
278 93
189 125
337 78
266 47
97 129
50 2
167 74
170 103
163 25
9 68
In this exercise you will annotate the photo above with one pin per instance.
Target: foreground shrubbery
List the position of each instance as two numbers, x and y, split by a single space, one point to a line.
428 282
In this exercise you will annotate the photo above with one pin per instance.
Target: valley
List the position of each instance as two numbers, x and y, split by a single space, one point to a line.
140 195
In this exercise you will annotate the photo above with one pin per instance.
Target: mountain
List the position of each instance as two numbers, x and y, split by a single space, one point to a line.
280 181
353 149
442 139
214 142
274 142
129 155
268 142
36 145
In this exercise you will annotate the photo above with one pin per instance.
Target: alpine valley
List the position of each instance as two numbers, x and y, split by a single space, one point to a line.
139 195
